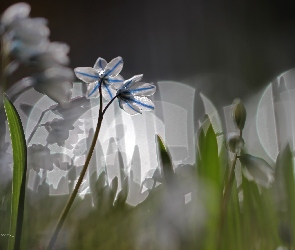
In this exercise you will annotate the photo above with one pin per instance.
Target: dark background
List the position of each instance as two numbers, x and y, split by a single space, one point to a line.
236 47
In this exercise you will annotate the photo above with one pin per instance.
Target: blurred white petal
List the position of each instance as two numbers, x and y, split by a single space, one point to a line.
15 11
31 30
55 83
54 53
258 169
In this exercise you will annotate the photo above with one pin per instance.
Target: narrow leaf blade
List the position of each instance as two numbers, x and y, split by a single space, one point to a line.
19 173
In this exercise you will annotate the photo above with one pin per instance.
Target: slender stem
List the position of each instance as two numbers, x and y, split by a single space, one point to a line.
82 174
110 102
226 195
37 126
4 63
225 199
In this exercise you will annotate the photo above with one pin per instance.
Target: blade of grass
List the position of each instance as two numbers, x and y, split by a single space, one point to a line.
209 167
165 159
19 173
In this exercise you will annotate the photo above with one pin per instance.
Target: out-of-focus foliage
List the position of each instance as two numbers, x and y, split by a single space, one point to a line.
181 210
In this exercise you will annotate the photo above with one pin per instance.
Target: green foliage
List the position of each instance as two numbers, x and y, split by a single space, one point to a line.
255 218
19 173
208 159
165 159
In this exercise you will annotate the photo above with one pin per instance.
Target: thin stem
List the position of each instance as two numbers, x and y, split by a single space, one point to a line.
110 102
82 174
4 63
226 196
37 126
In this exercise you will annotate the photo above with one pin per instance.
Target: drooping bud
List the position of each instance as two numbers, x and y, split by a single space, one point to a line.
239 114
257 169
235 142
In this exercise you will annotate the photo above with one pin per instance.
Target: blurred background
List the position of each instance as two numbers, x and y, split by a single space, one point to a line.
232 46
201 55
220 50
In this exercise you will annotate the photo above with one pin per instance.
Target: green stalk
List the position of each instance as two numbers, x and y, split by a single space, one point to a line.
82 174
4 63
225 197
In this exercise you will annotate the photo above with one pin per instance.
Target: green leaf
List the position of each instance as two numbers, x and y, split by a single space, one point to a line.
165 159
285 192
209 167
19 173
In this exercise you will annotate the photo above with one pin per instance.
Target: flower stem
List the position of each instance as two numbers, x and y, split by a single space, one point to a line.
82 174
4 63
38 125
226 196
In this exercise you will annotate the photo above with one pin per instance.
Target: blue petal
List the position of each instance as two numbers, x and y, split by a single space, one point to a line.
128 107
92 90
142 102
143 89
86 74
116 81
114 67
130 82
100 64
108 92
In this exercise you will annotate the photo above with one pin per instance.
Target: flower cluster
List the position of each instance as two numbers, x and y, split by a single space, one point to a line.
26 40
131 93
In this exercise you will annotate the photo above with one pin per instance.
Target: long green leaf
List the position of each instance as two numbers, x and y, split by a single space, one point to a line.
19 173
209 167
165 159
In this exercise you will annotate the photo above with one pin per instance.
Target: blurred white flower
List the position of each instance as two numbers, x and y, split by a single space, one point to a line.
235 142
27 39
54 53
132 96
106 74
55 83
30 30
15 12
39 157
257 169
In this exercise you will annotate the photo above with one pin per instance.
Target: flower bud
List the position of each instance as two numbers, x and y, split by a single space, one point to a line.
239 114
257 169
235 142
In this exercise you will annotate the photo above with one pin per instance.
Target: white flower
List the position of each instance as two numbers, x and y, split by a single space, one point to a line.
30 30
15 12
132 96
28 41
106 74
257 169
51 54
55 83
235 142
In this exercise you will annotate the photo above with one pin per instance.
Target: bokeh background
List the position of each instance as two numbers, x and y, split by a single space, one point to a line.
230 46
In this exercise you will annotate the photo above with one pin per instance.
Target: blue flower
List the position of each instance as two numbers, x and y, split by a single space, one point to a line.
132 96
106 74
